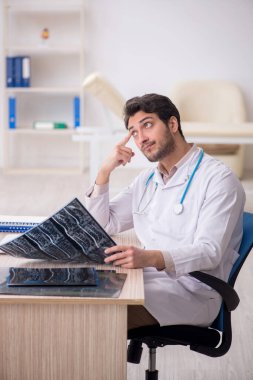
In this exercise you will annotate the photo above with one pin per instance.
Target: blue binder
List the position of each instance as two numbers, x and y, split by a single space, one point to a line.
76 111
18 71
12 112
26 63
10 71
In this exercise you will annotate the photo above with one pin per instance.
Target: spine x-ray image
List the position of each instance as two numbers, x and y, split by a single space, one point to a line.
71 234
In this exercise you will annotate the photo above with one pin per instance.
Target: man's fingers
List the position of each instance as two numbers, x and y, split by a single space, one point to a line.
125 140
113 258
124 153
124 156
117 258
125 149
116 248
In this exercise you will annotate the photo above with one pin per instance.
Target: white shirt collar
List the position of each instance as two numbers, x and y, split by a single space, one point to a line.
167 175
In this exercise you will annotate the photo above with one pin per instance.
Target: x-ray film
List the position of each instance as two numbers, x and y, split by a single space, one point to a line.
71 234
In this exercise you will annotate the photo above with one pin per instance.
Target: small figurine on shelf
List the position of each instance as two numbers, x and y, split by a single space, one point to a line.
44 35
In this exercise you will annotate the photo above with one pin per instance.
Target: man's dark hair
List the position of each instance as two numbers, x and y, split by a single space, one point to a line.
152 103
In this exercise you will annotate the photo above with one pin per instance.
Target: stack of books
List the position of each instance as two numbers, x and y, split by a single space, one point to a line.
18 70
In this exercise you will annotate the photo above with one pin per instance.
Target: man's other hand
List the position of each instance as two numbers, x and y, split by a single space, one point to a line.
133 257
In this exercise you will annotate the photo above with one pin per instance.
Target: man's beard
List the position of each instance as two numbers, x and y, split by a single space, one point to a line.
166 147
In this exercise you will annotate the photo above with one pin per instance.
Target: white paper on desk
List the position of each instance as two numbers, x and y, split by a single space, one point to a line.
71 234
8 238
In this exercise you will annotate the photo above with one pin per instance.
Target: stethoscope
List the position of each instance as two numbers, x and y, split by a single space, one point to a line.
179 207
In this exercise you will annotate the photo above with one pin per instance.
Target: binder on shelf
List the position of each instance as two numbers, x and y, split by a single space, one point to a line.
10 72
26 70
18 71
12 112
76 111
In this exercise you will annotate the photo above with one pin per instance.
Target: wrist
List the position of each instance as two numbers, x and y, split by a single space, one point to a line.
103 176
157 260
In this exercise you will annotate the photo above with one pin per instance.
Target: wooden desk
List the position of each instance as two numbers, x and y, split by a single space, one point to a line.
50 338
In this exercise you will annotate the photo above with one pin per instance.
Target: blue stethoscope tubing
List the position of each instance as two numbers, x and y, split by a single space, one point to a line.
178 208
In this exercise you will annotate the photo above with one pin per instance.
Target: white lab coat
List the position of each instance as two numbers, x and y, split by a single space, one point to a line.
206 236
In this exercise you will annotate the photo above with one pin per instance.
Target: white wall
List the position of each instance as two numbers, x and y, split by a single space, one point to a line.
143 46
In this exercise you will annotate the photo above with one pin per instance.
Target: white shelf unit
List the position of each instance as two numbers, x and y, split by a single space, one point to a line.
57 72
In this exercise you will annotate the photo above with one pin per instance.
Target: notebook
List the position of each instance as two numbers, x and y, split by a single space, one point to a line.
18 224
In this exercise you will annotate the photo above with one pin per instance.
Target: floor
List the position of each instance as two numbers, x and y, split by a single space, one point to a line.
45 194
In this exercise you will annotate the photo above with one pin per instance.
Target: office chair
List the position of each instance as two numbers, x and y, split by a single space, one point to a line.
212 341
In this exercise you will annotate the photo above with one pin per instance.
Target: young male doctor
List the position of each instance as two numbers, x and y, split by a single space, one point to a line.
186 211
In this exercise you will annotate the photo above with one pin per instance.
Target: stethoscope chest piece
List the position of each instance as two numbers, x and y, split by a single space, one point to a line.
178 208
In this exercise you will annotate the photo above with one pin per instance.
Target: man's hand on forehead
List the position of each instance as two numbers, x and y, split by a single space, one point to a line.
125 140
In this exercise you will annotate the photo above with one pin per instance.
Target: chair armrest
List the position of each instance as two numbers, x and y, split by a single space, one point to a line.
229 295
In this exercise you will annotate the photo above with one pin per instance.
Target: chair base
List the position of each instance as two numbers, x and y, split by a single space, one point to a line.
151 375
134 351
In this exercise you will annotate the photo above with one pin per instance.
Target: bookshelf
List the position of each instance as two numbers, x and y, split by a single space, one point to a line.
51 34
